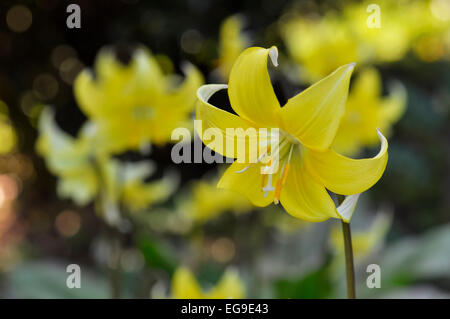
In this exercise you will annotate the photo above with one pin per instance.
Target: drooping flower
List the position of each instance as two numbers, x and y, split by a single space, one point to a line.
366 111
137 103
68 158
85 175
307 126
185 286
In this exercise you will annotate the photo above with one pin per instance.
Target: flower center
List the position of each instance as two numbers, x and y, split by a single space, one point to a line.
142 112
276 154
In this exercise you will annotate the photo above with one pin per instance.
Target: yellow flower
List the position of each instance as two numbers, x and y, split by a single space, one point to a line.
138 195
366 111
232 42
364 242
135 104
185 286
69 159
207 202
7 132
307 126
319 46
85 175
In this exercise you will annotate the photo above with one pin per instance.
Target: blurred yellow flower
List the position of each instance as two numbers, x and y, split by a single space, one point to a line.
85 175
367 111
307 126
321 44
139 195
205 201
137 103
7 132
185 286
366 241
69 159
232 42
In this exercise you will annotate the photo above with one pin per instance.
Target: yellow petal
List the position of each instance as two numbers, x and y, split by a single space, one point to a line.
346 176
217 121
250 90
248 183
183 97
313 116
147 76
393 107
302 196
185 286
229 286
87 94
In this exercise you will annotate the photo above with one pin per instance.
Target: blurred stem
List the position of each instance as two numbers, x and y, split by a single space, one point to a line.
349 264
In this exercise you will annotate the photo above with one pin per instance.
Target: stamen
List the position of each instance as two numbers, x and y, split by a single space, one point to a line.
280 183
263 180
268 187
282 179
258 160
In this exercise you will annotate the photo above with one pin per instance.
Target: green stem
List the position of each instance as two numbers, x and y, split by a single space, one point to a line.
349 266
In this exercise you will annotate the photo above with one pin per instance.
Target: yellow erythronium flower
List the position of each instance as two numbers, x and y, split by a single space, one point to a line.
366 111
319 46
68 158
307 126
366 33
185 286
232 42
85 175
206 201
138 103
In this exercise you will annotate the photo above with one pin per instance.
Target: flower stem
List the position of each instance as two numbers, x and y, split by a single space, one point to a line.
349 267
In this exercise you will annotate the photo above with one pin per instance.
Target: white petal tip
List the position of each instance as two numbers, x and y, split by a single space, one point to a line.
351 66
347 207
273 53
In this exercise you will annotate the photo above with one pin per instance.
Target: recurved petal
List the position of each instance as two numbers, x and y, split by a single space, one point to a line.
347 176
393 107
303 197
222 131
250 90
87 94
147 74
313 116
248 182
